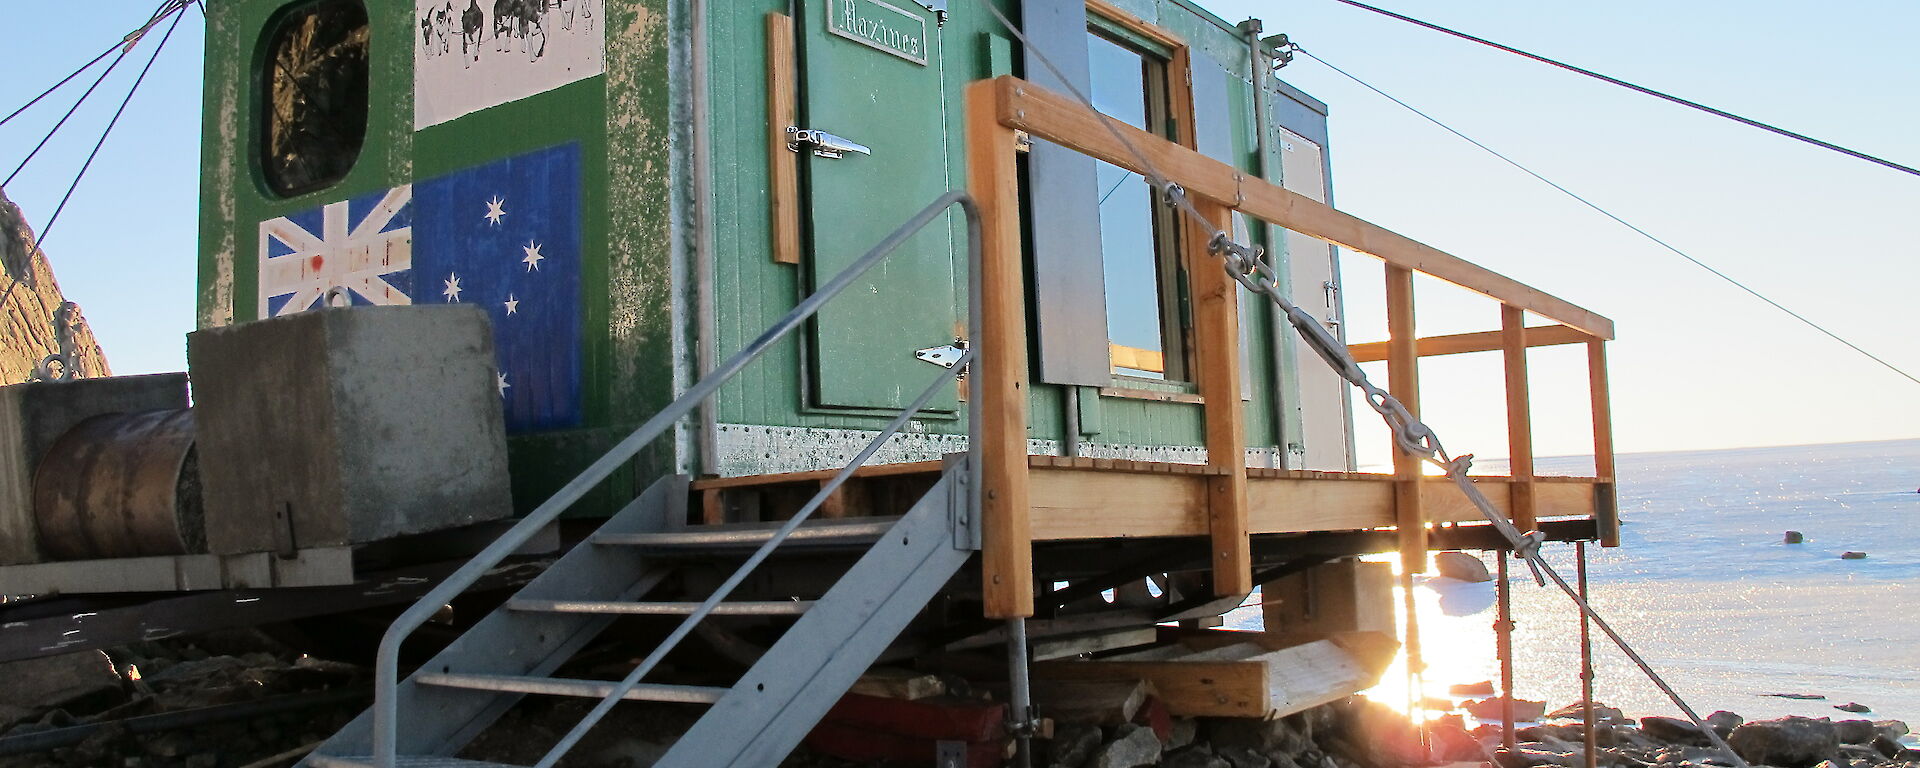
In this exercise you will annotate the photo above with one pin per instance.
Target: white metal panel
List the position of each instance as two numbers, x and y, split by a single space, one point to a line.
1313 268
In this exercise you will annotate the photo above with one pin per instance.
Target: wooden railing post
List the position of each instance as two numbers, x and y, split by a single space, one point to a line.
1217 349
1513 337
1403 380
1000 363
1607 501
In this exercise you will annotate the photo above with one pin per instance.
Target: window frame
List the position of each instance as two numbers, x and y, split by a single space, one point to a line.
1169 113
263 82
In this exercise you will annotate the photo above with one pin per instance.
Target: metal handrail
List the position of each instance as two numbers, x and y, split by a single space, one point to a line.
387 661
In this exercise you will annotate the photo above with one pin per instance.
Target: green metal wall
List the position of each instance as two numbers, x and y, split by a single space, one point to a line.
619 121
751 290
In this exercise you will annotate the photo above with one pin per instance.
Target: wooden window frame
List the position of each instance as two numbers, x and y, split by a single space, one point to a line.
1169 112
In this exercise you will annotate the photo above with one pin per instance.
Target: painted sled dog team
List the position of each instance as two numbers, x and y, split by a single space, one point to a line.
524 19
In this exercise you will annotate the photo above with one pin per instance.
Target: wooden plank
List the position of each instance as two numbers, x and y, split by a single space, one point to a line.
1001 364
1403 380
814 476
1079 644
1090 702
1606 499
1463 343
1075 504
713 506
1514 333
835 505
1268 684
1216 341
1062 120
902 684
1138 359
783 164
1152 394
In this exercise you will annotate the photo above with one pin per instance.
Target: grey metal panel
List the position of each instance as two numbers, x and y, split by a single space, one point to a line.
1212 113
1070 310
778 701
1326 427
1213 137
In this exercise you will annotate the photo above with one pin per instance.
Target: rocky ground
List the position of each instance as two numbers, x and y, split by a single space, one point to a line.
252 703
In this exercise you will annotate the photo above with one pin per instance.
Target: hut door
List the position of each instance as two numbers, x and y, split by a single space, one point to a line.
874 144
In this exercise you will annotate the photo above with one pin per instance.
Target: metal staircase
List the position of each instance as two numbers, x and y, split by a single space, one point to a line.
444 704
513 652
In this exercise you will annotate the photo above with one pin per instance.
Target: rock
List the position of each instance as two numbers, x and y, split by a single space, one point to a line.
82 683
1073 745
1133 746
1797 696
1241 757
1523 710
1601 713
1672 730
1789 742
1882 747
1892 729
1723 722
1461 566
1183 732
31 321
1834 764
1855 731
1268 737
1794 537
1482 688
1196 756
1853 555
632 753
1545 732
1853 706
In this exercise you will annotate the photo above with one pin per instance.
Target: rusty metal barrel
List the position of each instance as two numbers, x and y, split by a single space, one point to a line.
121 485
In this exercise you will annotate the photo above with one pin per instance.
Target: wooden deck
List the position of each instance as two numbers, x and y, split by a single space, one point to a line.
1077 499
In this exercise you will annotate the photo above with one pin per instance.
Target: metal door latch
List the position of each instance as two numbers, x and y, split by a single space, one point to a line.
945 355
824 144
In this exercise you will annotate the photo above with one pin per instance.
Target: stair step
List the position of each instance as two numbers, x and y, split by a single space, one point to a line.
859 531
740 608
403 761
589 689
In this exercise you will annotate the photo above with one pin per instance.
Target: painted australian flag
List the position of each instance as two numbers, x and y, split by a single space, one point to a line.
505 236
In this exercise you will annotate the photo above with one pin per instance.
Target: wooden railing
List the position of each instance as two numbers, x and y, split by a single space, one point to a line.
997 108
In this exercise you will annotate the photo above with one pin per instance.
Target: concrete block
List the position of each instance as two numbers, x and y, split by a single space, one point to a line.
34 415
1333 598
347 426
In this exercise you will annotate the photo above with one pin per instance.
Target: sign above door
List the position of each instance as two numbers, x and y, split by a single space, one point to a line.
880 25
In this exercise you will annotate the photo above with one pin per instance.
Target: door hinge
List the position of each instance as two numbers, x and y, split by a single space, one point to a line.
824 144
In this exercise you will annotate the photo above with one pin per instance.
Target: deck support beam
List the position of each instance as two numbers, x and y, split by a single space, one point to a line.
1606 500
1217 351
1403 380
1000 361
1513 336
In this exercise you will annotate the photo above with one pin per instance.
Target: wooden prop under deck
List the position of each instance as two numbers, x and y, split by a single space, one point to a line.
1226 501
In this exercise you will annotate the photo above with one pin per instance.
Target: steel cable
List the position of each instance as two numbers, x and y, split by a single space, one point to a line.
1609 214
1410 433
170 8
1663 96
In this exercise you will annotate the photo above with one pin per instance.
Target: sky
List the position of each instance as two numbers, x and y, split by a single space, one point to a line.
1697 363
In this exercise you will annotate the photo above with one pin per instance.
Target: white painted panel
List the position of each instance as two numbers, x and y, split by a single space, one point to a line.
469 55
1312 265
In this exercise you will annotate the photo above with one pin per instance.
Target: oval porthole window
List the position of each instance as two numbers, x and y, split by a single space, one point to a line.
314 92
